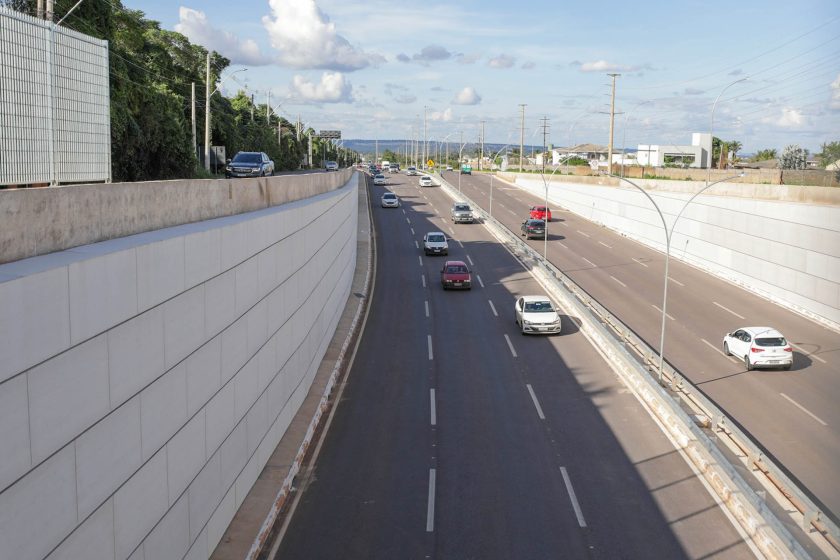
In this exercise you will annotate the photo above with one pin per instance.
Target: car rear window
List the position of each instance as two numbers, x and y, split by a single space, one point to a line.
771 341
538 306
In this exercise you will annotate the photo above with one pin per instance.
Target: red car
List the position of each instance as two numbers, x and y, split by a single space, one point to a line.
455 274
539 213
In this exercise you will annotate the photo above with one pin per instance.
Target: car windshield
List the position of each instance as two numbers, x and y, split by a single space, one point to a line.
456 269
536 223
462 208
380 177
538 306
438 238
389 195
771 341
247 158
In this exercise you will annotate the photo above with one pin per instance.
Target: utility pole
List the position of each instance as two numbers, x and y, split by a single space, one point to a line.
612 123
193 119
298 128
50 9
252 107
481 151
207 116
425 146
40 10
545 145
268 109
521 135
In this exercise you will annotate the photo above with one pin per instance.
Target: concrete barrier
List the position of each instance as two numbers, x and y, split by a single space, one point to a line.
778 241
145 380
40 221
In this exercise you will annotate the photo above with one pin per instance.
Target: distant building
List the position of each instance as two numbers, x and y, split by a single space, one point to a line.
589 152
698 154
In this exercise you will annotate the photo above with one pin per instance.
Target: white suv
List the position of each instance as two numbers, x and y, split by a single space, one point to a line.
759 346
434 243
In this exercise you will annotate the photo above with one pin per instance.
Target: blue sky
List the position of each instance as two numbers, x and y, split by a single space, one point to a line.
371 69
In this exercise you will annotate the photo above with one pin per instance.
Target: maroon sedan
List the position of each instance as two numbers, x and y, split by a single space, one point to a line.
456 275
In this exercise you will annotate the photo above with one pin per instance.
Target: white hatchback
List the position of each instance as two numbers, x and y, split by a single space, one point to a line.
758 347
426 181
390 200
536 314
379 179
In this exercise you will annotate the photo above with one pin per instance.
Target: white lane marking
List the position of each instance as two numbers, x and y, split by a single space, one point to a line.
420 259
412 231
677 282
510 345
641 263
480 281
573 497
427 307
430 509
408 220
718 350
727 309
617 280
583 233
807 354
536 402
416 245
433 406
605 245
564 224
660 311
471 261
452 231
423 279
511 211
492 308
403 210
429 342
459 243
562 245
590 262
424 196
803 409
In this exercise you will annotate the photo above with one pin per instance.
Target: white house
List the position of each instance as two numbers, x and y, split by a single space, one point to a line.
698 154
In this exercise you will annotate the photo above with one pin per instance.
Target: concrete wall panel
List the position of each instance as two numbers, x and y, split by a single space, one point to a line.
64 399
190 351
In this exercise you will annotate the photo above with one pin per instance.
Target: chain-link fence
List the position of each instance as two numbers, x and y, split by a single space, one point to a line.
54 104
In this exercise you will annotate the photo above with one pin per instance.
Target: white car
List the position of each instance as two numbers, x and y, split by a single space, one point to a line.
434 243
411 171
379 179
759 346
536 314
390 200
426 181
331 166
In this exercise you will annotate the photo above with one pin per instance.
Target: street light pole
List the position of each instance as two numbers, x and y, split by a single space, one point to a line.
208 95
493 175
711 127
668 236
624 132
545 237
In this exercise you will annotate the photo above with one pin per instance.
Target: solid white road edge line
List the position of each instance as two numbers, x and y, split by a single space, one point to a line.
510 345
803 409
492 308
536 401
433 407
430 508
573 497
429 341
727 309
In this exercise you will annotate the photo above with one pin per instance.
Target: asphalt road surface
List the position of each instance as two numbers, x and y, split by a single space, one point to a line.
458 437
793 414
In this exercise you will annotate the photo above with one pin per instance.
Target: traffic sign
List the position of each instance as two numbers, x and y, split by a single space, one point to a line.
430 163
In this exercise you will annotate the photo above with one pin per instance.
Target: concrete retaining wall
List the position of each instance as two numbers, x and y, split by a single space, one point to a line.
40 221
145 380
785 250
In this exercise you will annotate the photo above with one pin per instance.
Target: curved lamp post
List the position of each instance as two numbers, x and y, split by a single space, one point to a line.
668 236
712 126
546 183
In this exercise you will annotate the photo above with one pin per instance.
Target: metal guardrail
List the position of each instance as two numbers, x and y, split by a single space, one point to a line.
813 517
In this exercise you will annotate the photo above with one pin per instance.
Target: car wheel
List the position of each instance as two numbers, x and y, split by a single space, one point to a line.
786 366
747 363
726 351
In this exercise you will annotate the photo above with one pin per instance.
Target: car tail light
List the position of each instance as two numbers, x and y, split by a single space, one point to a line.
754 349
788 349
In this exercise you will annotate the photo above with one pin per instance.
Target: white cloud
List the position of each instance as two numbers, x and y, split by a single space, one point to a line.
501 61
467 96
333 88
444 116
789 118
604 66
835 94
306 38
195 26
432 53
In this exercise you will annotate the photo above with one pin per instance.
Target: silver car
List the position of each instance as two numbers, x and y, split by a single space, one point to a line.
390 200
461 213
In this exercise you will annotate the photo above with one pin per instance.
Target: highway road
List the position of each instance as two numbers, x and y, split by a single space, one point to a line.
793 414
458 437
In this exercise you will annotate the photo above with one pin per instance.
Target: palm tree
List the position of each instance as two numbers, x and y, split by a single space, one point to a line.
734 147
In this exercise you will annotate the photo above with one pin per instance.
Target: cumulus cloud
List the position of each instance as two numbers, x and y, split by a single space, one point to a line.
432 53
834 104
195 26
444 116
332 88
306 38
790 118
402 57
467 96
501 61
604 66
528 65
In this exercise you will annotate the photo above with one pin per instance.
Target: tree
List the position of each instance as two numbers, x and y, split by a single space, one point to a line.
734 147
793 157
764 155
830 153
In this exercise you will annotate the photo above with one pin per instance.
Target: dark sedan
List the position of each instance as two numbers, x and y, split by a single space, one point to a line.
533 228
249 164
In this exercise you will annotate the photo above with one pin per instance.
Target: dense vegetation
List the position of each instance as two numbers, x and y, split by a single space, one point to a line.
152 71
